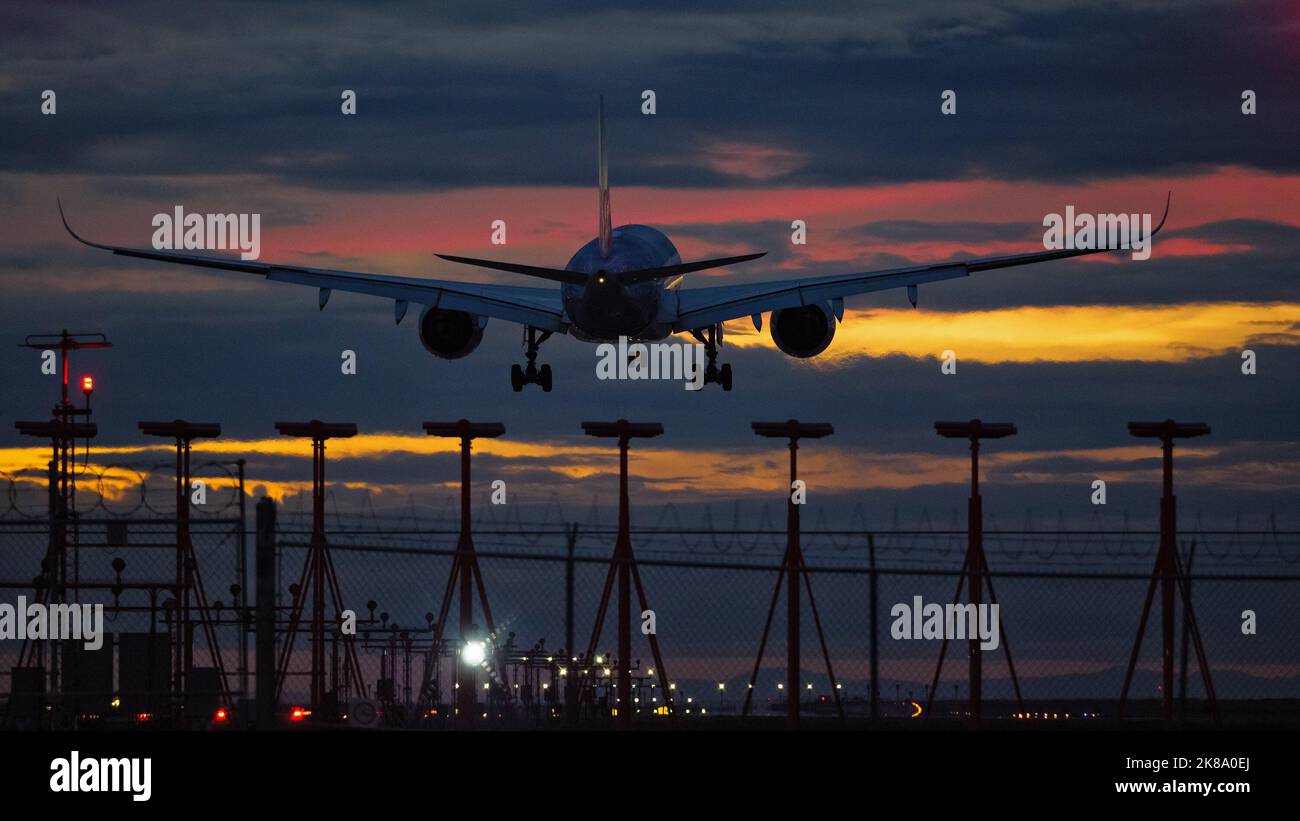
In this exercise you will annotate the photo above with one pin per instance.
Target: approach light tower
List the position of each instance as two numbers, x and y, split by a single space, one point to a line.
189 584
792 569
318 569
63 431
1168 571
975 567
622 565
465 569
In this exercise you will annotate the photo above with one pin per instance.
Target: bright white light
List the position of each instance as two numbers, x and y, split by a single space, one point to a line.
472 652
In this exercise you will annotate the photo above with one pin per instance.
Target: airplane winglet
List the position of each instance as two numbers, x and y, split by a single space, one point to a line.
1168 199
74 234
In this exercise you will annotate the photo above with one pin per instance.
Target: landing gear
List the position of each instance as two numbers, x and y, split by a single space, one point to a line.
711 337
531 374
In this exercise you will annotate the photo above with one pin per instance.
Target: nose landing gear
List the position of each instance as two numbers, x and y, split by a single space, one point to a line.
531 374
711 337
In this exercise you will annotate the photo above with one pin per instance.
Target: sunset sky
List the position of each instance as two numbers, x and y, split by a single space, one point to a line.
765 115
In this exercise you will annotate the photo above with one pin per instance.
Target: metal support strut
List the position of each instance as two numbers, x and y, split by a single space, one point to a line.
976 565
623 567
318 573
1169 574
792 568
465 571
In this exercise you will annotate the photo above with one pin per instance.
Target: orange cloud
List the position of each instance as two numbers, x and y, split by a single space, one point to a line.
398 232
1141 333
714 473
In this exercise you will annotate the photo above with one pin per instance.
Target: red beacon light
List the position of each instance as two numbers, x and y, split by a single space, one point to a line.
297 714
87 385
221 715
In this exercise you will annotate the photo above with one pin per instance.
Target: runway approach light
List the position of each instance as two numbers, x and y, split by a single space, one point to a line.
472 653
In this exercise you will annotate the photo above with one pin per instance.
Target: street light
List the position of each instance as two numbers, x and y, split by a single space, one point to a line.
473 653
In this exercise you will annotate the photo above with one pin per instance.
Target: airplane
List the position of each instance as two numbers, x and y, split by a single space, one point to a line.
624 282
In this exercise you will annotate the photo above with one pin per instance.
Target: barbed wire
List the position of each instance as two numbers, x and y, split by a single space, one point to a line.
735 528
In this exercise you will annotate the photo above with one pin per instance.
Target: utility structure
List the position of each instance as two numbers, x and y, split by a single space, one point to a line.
792 571
623 567
465 570
52 583
63 430
1168 572
188 580
975 566
317 571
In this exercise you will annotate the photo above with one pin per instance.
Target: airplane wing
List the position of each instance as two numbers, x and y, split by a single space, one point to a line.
702 307
538 307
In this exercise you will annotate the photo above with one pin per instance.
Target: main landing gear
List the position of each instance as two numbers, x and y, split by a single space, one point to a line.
711 338
531 374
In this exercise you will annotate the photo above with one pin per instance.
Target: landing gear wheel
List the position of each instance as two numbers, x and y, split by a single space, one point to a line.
711 339
530 374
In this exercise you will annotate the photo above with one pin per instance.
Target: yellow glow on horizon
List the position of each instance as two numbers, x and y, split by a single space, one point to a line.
755 471
1087 333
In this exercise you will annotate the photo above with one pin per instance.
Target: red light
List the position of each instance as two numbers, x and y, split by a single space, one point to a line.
297 713
143 716
87 384
221 714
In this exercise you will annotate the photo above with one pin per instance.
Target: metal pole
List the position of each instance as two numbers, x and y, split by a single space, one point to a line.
265 559
624 700
183 528
570 683
1187 623
241 602
178 598
318 578
1167 546
467 695
875 613
975 525
793 563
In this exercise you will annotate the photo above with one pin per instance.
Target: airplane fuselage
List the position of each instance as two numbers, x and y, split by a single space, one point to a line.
603 309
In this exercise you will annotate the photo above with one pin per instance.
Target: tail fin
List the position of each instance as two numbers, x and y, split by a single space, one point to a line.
606 219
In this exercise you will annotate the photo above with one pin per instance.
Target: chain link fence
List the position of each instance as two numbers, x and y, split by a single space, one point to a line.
1069 605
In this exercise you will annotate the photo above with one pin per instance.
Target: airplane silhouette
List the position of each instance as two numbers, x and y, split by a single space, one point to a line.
624 282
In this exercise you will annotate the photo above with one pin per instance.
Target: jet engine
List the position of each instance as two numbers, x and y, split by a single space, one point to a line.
450 334
805 331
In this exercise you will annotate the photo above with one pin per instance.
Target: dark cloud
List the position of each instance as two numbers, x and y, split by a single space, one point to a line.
157 105
456 96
